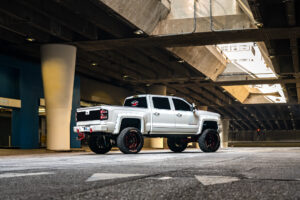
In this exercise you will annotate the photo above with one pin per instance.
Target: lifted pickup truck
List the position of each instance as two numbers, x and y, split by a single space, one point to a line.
148 116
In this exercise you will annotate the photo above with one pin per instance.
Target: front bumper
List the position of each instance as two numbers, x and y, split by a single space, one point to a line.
90 128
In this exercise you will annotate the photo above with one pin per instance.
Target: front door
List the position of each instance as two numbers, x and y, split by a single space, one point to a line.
185 119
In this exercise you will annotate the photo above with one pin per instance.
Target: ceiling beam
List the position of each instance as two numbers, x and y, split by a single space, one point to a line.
219 83
193 39
264 117
279 132
95 13
281 113
290 12
34 19
64 16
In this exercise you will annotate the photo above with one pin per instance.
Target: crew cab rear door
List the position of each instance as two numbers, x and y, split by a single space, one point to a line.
185 119
163 118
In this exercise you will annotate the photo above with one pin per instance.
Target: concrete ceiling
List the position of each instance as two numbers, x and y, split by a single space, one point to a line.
91 24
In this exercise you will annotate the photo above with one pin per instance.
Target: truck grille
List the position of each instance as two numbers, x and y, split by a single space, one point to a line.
88 116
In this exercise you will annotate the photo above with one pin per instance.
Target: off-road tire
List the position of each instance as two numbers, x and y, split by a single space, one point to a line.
99 144
176 144
209 140
130 140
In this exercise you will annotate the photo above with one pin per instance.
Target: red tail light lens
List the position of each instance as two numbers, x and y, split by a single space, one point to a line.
103 114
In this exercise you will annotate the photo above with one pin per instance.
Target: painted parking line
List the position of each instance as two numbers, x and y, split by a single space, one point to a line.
212 180
12 175
161 178
108 176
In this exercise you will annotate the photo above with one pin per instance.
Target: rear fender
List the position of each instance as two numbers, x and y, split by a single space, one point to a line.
126 116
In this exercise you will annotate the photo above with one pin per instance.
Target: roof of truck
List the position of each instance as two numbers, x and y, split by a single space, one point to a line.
143 95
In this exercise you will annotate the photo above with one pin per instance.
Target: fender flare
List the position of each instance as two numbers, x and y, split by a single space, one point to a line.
129 116
204 120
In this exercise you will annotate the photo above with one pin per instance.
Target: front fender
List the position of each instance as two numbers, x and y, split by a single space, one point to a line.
206 118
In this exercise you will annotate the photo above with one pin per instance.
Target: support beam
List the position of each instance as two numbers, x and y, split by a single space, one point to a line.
245 82
225 133
295 53
200 81
193 39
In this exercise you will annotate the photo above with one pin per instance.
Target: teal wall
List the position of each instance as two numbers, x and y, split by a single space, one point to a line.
9 82
22 80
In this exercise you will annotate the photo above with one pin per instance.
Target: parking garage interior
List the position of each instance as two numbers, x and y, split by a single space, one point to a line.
238 58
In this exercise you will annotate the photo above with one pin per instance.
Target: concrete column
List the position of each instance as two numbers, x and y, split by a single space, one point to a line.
157 89
58 70
157 143
225 133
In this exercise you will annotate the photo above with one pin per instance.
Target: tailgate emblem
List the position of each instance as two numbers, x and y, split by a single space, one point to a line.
87 112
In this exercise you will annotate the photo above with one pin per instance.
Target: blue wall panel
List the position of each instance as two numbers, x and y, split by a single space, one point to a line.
15 135
30 93
22 80
9 82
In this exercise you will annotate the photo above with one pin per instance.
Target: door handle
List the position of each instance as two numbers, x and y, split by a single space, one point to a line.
179 115
156 113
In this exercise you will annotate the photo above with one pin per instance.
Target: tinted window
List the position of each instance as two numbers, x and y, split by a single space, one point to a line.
139 102
181 105
161 103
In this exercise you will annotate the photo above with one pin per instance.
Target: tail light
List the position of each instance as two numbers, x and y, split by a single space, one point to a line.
103 114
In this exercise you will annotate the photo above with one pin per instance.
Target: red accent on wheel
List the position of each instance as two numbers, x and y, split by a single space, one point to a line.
132 141
211 141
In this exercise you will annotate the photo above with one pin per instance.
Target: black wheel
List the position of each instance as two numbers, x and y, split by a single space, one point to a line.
177 144
209 140
130 140
99 144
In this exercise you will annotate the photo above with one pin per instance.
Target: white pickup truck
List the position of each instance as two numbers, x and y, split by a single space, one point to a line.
148 116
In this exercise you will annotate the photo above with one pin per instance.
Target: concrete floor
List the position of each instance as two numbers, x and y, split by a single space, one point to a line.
233 173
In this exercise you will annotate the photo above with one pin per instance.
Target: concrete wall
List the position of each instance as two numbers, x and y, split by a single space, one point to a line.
269 138
95 91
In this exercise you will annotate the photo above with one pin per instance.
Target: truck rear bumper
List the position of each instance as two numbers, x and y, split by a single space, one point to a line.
90 129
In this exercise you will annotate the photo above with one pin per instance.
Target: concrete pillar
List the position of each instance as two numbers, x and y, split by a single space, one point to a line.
58 70
157 89
225 133
157 143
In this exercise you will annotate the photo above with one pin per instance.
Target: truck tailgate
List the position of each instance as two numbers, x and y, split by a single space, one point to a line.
88 115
